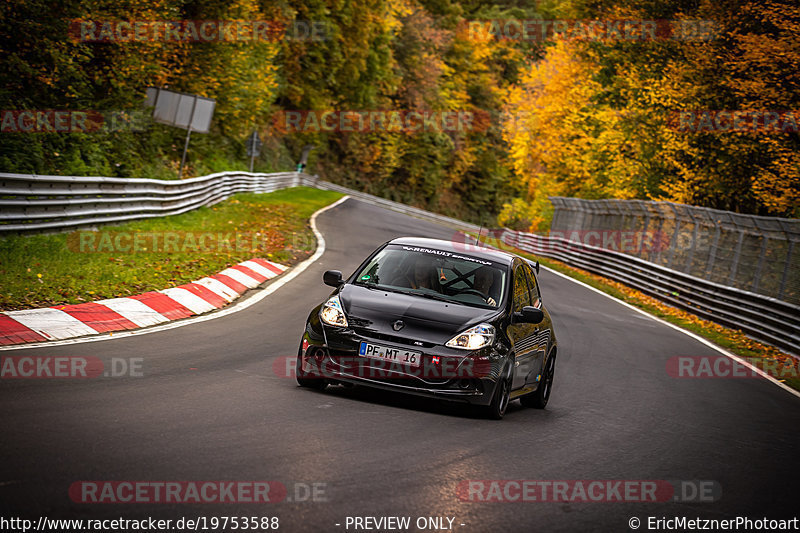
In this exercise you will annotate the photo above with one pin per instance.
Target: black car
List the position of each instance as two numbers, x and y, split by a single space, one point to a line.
437 319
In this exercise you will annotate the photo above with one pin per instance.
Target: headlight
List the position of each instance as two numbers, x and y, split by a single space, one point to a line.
474 338
332 314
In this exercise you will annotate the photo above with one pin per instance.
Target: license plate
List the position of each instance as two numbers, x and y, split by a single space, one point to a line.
386 353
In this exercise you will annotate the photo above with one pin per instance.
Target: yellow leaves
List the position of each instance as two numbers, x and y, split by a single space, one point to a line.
552 124
569 135
398 10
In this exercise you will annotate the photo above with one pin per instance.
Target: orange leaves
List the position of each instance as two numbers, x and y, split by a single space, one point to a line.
592 120
561 140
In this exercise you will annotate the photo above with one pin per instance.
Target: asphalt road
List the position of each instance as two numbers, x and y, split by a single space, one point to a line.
211 406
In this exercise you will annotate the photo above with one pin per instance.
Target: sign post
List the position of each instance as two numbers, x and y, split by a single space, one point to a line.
181 110
301 165
186 144
253 148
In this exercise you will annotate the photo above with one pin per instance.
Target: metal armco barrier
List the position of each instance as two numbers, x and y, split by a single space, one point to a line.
38 204
48 204
31 204
764 318
753 253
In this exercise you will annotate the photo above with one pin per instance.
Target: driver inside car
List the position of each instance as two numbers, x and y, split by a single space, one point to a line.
422 275
483 282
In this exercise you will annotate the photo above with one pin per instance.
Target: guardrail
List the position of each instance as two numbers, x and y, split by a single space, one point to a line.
762 317
37 204
754 253
30 204
58 203
312 181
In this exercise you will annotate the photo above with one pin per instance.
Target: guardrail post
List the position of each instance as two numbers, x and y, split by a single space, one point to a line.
558 213
644 233
712 253
580 219
736 255
786 266
674 241
690 254
658 231
587 216
624 208
760 265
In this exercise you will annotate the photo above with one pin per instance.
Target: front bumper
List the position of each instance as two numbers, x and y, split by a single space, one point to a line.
443 373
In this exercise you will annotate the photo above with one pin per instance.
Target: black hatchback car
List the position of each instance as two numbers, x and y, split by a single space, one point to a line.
437 319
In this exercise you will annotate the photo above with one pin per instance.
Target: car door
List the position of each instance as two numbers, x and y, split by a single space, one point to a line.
540 338
521 334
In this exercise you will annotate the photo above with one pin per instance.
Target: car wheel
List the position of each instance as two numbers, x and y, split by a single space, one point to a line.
497 409
538 399
306 378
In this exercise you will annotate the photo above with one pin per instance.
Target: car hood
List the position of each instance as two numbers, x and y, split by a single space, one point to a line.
426 320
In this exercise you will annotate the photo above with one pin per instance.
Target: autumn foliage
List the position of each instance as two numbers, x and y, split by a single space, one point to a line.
592 117
561 115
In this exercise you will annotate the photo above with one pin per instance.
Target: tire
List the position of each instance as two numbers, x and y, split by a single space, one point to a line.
538 399
500 400
308 380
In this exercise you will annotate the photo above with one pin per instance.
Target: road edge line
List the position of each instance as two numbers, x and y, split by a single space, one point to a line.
691 334
235 307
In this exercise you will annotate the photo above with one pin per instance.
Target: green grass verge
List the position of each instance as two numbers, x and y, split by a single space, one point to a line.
116 261
735 341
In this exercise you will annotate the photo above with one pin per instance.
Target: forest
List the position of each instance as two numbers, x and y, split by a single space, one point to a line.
475 109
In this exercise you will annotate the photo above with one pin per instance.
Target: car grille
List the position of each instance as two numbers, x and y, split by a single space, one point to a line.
363 332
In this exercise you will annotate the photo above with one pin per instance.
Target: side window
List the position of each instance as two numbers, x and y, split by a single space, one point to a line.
535 297
521 289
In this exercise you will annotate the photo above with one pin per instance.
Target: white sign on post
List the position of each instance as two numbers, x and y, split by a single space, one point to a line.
187 111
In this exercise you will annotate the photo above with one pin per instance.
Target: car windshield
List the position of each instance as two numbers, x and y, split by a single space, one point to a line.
436 274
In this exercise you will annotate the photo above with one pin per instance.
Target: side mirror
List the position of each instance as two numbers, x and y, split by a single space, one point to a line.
529 315
332 278
536 266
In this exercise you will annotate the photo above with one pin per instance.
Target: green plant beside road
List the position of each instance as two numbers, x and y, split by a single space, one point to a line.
128 259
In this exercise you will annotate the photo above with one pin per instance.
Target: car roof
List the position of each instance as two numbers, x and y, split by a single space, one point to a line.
473 250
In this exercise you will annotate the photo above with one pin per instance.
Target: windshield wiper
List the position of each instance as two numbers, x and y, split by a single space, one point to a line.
376 287
432 296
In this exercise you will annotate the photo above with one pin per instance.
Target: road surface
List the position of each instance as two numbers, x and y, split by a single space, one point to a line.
212 405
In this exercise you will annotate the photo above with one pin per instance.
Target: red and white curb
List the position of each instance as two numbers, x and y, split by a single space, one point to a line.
148 309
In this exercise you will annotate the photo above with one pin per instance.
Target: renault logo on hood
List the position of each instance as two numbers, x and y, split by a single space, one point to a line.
398 325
